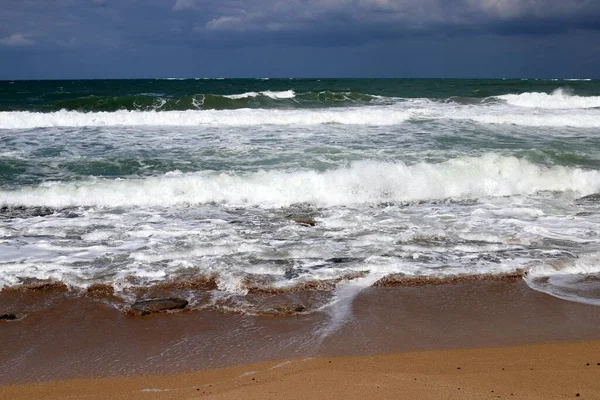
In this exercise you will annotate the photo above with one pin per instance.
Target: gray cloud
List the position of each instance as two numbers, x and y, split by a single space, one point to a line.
106 23
259 37
401 15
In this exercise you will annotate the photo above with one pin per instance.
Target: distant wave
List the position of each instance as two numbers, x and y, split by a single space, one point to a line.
362 182
207 101
558 99
287 94
381 115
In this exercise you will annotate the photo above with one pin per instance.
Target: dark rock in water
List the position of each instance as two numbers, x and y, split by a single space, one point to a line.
7 317
30 212
592 198
292 309
340 260
299 308
71 214
145 307
25 212
292 273
305 221
584 214
42 212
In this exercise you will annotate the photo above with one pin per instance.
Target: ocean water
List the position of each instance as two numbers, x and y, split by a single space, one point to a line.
145 183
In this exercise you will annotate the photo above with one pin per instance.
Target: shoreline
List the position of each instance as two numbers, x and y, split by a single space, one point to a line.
541 371
76 337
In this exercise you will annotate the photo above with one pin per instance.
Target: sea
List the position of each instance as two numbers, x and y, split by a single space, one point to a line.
223 190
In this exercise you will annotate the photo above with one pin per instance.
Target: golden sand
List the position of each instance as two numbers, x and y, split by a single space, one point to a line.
544 371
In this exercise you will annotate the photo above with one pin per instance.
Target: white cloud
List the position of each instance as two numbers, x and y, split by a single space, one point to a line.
507 9
224 23
16 39
181 5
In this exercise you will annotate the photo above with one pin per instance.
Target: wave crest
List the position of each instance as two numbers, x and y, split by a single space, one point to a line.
246 117
558 99
361 183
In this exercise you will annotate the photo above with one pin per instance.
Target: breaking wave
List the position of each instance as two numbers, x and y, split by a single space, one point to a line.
382 115
246 117
363 182
287 94
558 99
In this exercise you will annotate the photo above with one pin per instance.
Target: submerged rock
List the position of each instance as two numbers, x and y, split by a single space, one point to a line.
305 221
290 309
40 211
151 306
341 260
8 317
25 212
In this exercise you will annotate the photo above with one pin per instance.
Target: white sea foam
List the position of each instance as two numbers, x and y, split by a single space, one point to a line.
558 99
589 264
361 183
244 117
536 120
286 94
372 116
567 279
241 95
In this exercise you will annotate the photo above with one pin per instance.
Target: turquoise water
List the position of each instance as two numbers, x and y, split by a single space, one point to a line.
137 182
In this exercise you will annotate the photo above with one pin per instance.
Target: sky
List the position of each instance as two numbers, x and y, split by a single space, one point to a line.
73 39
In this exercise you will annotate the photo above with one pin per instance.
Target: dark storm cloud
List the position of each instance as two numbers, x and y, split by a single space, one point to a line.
110 23
206 37
76 22
396 16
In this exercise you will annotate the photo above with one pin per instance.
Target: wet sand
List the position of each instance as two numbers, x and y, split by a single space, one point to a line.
549 371
59 336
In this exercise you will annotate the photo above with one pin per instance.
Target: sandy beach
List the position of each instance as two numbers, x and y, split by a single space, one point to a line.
493 339
547 371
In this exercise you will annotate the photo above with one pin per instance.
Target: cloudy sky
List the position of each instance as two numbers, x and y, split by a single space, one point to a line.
299 38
